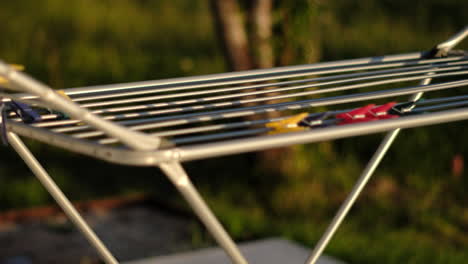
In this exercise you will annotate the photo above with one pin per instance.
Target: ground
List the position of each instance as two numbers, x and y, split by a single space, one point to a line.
131 231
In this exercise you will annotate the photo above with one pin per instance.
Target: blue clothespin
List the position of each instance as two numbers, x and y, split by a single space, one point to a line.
25 112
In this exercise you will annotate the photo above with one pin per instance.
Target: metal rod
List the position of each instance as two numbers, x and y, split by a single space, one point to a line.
255 100
246 124
256 86
22 82
151 123
257 131
231 134
215 98
375 74
454 40
236 146
372 165
458 102
441 106
276 90
60 198
357 188
442 99
122 155
191 130
176 173
73 121
241 74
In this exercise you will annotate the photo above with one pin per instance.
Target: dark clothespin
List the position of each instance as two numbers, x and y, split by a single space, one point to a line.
25 112
404 108
314 120
3 116
436 52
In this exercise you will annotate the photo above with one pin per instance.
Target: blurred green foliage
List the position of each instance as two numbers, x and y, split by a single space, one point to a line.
414 210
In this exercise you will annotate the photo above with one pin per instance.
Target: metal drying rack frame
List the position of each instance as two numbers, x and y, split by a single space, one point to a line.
114 122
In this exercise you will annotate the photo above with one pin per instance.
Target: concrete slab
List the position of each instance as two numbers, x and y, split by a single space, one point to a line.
271 251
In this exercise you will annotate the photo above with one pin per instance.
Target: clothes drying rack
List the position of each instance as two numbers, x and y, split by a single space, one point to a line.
166 122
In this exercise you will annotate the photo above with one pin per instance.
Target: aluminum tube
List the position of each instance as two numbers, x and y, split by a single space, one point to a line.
222 77
375 74
176 173
231 134
148 106
222 114
241 74
69 122
252 131
22 82
246 87
174 90
268 98
118 155
442 106
156 105
60 198
150 158
209 106
358 187
454 40
177 132
244 94
349 202
217 149
199 129
442 99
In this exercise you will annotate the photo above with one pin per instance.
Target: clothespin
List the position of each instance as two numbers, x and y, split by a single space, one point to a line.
17 67
290 124
25 112
403 108
382 111
3 130
314 120
356 116
63 94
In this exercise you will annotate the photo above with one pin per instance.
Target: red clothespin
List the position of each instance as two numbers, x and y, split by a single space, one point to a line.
356 116
381 111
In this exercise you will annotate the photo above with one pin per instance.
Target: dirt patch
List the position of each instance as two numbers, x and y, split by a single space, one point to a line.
130 230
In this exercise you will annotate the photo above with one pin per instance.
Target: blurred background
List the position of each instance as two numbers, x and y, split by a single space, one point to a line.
415 207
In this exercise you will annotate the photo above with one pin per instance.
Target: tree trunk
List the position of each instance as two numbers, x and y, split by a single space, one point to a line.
261 31
245 53
231 30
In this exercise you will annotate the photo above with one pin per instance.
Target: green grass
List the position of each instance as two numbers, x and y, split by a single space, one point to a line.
414 209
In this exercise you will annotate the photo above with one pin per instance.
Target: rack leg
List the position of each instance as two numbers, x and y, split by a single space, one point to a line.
176 173
60 198
348 203
358 187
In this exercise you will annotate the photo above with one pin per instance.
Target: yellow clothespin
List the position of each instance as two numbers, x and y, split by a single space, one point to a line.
17 67
63 94
290 124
